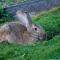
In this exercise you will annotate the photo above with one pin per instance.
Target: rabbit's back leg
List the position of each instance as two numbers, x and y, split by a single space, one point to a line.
6 36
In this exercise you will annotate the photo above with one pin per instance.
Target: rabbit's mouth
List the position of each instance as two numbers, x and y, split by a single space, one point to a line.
38 37
42 38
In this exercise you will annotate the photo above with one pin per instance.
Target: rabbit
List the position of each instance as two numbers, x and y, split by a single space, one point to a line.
22 31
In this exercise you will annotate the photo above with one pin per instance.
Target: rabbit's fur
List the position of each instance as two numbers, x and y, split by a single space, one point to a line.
15 32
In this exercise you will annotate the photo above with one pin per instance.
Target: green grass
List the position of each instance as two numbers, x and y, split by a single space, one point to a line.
46 50
39 51
6 17
50 21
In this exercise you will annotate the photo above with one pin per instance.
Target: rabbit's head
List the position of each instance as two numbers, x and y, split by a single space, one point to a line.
38 32
25 19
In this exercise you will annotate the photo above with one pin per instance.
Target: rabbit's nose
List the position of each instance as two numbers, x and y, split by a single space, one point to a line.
42 38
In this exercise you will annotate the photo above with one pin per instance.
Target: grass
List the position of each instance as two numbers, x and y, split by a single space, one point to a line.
39 51
50 21
46 50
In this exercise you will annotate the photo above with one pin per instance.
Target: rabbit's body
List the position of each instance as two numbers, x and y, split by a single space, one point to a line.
12 32
17 33
21 31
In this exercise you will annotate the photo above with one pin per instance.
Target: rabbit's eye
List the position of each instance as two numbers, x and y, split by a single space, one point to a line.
35 28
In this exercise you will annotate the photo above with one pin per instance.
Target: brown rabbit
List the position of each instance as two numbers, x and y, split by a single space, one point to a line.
22 31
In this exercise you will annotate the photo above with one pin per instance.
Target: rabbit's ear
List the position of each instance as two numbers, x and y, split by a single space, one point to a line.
29 18
24 18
